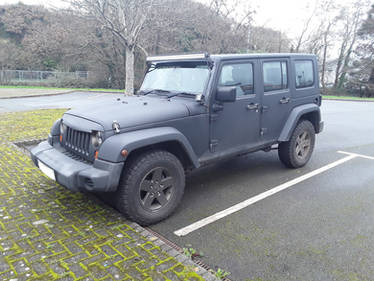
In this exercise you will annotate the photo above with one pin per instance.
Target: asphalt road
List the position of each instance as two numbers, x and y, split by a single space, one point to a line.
319 229
69 100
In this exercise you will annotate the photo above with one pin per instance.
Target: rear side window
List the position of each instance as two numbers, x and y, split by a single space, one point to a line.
304 74
275 75
239 75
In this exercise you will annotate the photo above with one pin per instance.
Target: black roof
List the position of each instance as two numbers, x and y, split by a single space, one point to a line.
258 55
218 57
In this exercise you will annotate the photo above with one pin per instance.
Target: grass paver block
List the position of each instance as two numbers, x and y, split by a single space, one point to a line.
50 233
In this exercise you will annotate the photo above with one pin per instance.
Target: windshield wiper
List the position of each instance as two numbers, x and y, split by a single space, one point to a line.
144 93
181 94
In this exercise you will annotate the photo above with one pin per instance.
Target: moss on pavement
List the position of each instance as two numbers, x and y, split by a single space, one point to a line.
50 233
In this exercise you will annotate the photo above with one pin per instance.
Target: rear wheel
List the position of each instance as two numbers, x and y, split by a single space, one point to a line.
151 187
297 151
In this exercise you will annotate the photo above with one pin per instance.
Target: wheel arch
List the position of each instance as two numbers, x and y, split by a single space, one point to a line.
310 112
163 138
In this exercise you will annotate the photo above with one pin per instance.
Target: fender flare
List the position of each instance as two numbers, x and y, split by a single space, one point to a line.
111 148
294 118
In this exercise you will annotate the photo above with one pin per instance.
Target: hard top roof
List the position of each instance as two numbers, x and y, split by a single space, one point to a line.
217 57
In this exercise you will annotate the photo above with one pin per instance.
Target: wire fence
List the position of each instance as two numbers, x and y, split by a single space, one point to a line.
24 76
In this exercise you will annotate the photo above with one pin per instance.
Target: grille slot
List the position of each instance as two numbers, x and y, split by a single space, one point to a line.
77 143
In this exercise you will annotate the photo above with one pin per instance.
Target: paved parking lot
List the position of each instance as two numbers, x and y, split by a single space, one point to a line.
319 227
68 100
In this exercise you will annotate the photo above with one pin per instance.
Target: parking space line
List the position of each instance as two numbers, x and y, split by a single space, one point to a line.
217 216
357 155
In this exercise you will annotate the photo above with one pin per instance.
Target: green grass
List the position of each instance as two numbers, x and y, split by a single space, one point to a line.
55 88
346 98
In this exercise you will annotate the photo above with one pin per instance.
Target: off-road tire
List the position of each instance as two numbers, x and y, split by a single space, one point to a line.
287 151
128 196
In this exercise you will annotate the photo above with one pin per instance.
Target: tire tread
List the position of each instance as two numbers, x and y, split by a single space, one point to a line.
131 172
285 149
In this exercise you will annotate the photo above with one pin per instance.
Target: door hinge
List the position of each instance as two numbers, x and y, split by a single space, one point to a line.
213 117
264 108
263 131
217 107
213 144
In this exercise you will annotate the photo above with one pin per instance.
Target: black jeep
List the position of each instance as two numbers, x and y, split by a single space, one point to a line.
191 110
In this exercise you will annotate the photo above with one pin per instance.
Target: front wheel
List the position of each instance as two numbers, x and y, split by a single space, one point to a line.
151 187
296 152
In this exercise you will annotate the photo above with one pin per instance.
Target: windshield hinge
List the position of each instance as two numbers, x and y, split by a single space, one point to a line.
213 144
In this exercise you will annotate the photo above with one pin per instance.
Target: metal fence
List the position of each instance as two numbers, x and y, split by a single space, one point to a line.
21 76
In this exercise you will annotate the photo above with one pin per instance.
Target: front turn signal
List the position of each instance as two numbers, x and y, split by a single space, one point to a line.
124 152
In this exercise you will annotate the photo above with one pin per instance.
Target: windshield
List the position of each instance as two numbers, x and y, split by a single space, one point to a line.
188 78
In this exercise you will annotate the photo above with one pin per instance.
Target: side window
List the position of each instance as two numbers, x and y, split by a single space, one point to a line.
275 75
239 75
304 74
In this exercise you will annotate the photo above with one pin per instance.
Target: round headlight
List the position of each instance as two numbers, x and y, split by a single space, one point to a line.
62 128
99 138
96 139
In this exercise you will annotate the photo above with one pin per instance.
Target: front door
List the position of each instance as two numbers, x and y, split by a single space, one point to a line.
276 97
236 125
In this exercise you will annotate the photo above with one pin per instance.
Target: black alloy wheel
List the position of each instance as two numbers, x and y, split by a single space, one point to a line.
156 189
151 187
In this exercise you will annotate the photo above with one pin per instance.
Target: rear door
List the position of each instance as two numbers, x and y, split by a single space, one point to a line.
276 97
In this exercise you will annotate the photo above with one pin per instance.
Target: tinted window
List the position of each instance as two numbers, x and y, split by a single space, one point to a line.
304 74
239 75
275 75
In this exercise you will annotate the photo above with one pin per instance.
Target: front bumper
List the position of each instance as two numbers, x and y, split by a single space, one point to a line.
101 176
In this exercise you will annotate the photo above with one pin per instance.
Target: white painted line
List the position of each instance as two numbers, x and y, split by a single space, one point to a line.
208 220
357 155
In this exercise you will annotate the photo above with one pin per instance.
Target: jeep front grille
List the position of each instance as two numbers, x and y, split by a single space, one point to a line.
77 142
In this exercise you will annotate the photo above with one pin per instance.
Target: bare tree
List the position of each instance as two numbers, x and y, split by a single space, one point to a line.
319 40
305 29
262 39
352 22
326 34
125 20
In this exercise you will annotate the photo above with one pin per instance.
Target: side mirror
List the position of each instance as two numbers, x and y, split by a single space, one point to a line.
226 94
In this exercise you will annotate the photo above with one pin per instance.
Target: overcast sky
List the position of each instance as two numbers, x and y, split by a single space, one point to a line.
284 15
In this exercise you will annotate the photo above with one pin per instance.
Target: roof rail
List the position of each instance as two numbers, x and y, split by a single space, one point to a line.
179 57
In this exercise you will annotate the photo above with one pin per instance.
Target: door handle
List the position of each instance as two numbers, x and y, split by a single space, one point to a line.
253 106
284 100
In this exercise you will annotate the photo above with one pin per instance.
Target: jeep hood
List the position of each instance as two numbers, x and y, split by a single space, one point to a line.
133 111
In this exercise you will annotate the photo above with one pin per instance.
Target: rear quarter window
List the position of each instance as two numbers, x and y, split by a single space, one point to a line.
304 74
275 75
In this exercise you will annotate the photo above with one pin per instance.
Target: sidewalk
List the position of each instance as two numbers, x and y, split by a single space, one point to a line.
50 233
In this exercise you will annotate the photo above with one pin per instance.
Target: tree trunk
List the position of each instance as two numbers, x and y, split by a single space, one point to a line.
340 62
325 45
371 78
349 52
129 84
345 66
